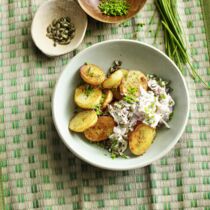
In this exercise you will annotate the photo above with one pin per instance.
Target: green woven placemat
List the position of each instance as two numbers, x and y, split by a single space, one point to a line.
1 193
39 172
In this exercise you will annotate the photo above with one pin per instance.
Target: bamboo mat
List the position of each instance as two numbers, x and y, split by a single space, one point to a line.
38 171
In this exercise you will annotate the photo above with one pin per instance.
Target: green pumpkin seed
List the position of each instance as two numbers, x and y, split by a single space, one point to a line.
61 31
54 22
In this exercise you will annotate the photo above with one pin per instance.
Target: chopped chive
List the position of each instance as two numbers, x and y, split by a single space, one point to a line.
114 7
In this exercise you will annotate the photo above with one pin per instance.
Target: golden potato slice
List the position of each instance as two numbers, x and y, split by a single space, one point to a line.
114 80
92 74
87 97
101 130
108 98
83 120
124 71
141 138
116 93
134 79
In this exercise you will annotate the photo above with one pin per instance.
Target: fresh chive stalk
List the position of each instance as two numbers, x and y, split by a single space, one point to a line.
174 38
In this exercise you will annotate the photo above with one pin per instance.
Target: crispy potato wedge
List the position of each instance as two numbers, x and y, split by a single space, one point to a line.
101 130
113 81
92 74
116 93
108 98
83 120
134 79
141 138
87 97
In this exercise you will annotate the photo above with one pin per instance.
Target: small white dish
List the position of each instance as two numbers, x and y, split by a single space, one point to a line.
134 55
55 9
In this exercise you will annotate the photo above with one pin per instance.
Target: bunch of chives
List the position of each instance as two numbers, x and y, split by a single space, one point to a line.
175 44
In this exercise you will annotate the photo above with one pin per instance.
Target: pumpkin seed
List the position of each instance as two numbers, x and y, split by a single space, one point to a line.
61 31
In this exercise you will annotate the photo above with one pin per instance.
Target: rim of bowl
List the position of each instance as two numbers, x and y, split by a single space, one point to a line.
64 52
109 21
137 165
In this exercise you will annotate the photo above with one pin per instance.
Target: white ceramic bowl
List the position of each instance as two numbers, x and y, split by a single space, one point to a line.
134 55
54 9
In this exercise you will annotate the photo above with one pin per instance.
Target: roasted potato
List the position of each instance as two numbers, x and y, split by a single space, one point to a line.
92 74
108 98
141 138
113 81
134 79
87 97
124 71
101 130
83 120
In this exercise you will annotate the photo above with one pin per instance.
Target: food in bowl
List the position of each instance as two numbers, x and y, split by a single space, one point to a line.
114 7
123 110
61 31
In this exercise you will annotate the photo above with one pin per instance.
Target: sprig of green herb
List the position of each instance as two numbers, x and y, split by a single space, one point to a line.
90 72
114 7
115 155
130 97
174 38
98 109
132 90
88 90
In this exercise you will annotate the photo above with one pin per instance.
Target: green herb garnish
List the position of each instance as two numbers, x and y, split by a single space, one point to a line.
114 7
130 97
171 115
111 145
88 90
103 97
113 155
132 90
98 109
162 96
175 42
90 72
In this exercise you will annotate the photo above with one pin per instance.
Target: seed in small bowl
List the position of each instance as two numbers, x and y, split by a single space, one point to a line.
61 31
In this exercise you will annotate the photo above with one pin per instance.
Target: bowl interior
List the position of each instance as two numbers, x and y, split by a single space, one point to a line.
134 55
44 16
91 8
